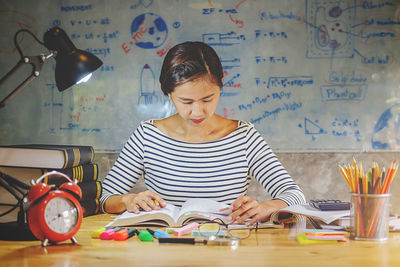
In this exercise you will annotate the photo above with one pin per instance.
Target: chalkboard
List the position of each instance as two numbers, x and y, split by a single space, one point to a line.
311 75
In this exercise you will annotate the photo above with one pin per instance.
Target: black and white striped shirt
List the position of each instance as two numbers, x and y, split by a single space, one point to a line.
220 170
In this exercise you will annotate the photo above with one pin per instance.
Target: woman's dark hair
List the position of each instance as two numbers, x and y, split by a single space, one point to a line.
187 62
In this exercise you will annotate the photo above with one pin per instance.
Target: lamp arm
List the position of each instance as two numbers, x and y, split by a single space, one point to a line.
37 64
14 181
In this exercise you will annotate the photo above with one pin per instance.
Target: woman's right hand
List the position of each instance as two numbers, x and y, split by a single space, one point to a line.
146 200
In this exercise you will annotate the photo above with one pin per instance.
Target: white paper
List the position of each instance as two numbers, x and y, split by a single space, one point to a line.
325 216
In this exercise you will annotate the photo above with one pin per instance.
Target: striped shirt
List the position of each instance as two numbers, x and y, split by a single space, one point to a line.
220 170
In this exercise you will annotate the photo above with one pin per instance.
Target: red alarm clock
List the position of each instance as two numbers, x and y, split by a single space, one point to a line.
54 213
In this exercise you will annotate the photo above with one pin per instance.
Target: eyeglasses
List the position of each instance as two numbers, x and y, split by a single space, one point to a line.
217 228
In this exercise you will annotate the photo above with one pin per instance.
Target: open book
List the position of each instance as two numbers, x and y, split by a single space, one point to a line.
309 212
193 210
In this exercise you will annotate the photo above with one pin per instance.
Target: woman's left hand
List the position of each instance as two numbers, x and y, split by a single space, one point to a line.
245 208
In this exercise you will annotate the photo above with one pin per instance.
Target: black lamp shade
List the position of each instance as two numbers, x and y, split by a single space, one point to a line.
72 64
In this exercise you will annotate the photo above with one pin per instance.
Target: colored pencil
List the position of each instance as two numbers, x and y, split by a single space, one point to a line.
373 181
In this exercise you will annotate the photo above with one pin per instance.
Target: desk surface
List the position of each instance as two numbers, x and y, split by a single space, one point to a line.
267 247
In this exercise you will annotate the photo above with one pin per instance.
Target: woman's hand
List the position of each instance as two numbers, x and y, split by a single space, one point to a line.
246 207
146 200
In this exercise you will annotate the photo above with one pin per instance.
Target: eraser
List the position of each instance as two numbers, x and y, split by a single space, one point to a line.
186 229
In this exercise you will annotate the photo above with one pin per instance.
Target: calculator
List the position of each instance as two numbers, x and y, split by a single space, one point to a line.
329 204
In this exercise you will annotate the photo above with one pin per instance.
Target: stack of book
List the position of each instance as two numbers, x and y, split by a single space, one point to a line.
27 162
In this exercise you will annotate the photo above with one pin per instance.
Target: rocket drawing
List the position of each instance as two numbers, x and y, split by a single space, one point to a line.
147 86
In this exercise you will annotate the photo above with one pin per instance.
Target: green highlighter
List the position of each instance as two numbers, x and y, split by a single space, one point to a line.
145 236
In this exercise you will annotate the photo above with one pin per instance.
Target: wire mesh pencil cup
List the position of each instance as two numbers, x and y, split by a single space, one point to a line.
370 199
369 218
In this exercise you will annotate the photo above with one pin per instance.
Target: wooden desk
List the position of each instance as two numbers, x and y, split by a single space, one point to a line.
267 247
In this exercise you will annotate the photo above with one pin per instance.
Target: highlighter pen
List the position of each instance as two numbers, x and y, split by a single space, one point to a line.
158 233
96 233
125 234
155 202
144 235
108 234
151 231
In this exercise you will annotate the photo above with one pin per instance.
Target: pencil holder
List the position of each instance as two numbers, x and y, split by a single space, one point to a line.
369 218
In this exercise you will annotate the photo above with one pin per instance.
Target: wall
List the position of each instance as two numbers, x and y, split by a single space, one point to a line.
311 75
316 173
319 79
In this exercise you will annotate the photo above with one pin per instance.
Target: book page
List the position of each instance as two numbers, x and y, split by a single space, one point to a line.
127 217
204 205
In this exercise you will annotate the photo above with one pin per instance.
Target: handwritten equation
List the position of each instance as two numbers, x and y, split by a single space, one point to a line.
321 72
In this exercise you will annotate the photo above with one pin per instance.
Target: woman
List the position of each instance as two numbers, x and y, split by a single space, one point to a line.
196 153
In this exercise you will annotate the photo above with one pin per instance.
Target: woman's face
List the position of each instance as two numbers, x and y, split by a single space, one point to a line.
196 101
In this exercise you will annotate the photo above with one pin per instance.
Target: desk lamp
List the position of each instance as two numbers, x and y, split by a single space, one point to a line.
73 65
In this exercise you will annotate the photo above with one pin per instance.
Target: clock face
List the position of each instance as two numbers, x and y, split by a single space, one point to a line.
61 215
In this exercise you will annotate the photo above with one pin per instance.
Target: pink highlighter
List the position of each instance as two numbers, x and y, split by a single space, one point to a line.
108 234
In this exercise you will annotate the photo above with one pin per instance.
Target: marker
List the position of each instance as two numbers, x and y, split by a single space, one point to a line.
158 233
125 234
108 234
150 231
144 235
155 202
96 233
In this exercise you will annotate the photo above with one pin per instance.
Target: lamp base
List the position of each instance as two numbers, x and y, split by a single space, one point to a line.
15 231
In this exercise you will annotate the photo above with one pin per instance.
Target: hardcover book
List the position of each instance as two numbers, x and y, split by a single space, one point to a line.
91 190
83 173
45 156
90 207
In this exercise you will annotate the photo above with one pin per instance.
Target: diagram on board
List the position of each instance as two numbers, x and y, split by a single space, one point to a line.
149 31
329 27
312 128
